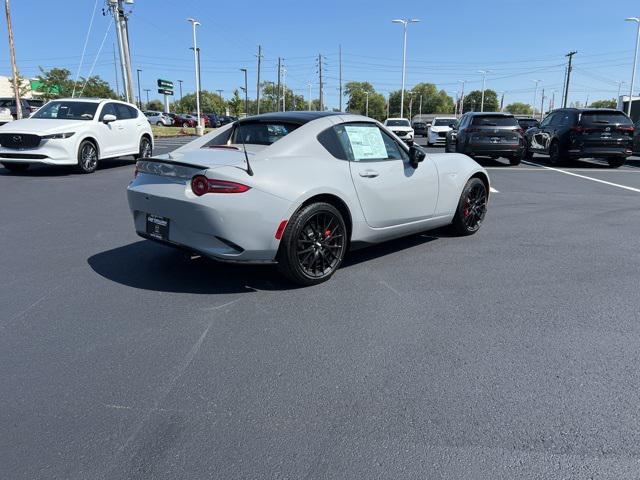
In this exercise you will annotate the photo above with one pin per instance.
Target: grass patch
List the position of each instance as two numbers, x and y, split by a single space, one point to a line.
159 132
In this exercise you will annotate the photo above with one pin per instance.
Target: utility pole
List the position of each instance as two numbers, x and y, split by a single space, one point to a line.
246 92
552 104
340 74
180 83
455 105
502 102
147 90
620 83
309 85
484 81
566 87
139 94
115 66
388 104
542 105
535 95
258 82
366 108
284 89
199 127
321 84
122 33
461 111
420 107
279 80
220 93
14 67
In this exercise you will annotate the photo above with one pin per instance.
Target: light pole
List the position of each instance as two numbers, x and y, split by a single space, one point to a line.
246 93
195 23
309 85
139 94
147 90
180 83
635 61
420 111
535 95
484 81
366 108
405 23
620 83
461 110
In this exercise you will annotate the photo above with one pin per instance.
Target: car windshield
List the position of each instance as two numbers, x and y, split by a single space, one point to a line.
67 111
605 118
397 123
494 121
443 122
261 133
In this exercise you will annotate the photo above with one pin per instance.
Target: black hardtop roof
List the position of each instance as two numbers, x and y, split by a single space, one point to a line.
583 110
495 114
290 117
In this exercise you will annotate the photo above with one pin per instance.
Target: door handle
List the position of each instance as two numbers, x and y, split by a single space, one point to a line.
369 174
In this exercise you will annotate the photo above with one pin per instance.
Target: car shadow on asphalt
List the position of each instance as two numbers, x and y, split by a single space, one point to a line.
66 170
149 266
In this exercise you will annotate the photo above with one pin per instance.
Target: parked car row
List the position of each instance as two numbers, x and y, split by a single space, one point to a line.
29 107
209 120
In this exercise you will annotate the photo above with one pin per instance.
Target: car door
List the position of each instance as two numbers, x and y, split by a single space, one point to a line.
541 137
111 134
391 192
131 125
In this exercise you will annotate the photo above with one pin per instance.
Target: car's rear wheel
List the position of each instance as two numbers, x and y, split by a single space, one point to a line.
556 156
616 162
448 148
472 208
87 157
515 160
145 150
16 167
313 245
159 124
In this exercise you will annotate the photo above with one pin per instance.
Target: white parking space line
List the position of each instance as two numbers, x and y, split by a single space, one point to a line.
637 190
493 190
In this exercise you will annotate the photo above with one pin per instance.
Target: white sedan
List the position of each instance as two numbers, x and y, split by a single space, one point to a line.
5 115
77 132
300 189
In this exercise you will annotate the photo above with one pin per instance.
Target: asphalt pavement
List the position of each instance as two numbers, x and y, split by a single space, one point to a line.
512 353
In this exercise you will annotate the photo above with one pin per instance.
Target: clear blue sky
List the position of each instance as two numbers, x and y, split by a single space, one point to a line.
519 41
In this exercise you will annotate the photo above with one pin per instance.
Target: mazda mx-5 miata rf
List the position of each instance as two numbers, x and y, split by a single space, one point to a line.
300 189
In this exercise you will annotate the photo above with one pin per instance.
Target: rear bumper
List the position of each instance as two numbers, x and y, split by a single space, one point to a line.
226 227
619 152
494 149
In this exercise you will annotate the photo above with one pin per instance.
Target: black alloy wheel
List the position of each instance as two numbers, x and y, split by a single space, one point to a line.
145 150
472 208
87 157
313 245
555 154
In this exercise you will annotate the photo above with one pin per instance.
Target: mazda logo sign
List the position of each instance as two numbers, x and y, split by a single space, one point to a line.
17 138
608 129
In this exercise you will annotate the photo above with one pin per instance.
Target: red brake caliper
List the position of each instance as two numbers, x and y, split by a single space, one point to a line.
327 233
466 211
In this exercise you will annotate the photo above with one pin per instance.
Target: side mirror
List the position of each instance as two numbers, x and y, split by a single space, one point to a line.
108 118
453 126
416 155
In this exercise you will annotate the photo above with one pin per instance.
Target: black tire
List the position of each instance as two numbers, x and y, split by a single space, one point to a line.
616 162
313 245
447 148
159 124
145 149
87 157
472 208
16 167
515 160
528 154
556 157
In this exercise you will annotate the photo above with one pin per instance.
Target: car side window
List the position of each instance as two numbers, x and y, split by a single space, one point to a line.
108 109
133 113
561 119
548 119
367 142
122 111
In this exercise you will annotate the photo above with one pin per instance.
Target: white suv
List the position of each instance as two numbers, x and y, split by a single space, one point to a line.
158 118
402 128
75 131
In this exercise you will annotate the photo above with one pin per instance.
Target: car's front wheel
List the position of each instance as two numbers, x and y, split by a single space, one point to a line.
472 208
313 245
87 157
145 150
556 157
16 167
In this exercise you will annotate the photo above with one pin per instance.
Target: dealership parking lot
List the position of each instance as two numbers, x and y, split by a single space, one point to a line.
509 354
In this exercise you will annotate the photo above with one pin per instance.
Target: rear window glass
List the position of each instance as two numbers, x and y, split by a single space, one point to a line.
494 121
261 133
397 123
604 118
443 122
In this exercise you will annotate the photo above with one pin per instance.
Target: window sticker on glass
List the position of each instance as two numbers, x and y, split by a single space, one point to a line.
366 142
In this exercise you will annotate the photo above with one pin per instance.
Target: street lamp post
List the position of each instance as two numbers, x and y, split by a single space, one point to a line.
180 83
405 23
147 90
535 95
366 108
139 94
461 110
484 81
620 83
195 23
246 93
635 61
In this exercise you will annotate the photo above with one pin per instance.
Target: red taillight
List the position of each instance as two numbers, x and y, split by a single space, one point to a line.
280 230
520 131
577 129
626 129
201 185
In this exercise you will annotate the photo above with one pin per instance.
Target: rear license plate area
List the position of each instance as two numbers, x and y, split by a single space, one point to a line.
157 227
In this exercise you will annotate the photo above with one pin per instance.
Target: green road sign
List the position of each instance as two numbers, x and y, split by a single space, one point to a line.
165 91
165 83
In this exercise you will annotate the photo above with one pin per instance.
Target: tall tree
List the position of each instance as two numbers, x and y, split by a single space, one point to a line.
433 100
210 102
604 103
519 108
357 100
24 86
55 83
473 101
